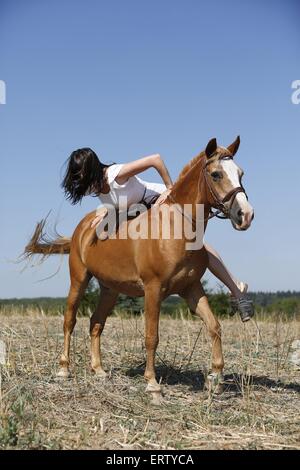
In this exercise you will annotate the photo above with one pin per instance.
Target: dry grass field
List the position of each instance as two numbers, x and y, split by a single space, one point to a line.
260 408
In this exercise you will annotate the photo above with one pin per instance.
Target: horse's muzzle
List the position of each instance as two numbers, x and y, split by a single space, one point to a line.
241 214
243 220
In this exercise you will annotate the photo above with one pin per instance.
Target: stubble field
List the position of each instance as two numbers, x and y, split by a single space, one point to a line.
259 408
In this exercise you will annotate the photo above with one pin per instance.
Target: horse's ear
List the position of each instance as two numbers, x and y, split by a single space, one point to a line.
233 148
211 147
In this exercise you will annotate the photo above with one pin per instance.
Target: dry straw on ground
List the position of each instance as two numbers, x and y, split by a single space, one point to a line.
258 410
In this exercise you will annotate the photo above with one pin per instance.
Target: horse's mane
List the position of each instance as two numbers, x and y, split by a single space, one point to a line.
188 167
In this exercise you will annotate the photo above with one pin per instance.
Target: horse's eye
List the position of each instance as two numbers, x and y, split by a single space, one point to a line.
216 175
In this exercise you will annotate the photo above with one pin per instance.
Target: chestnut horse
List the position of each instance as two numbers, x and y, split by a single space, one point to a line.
153 268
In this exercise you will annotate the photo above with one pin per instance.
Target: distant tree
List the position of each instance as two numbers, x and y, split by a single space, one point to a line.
130 304
124 302
219 302
287 302
290 305
90 299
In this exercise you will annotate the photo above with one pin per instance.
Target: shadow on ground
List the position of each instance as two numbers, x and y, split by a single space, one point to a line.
195 380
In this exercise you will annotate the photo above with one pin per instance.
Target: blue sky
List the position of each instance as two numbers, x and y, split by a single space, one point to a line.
129 78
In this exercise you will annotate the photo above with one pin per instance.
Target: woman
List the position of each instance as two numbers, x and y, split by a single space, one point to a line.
86 175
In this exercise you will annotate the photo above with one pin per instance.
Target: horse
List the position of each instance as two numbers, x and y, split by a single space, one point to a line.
153 267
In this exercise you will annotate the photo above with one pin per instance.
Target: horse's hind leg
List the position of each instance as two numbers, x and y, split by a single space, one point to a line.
79 282
199 305
105 305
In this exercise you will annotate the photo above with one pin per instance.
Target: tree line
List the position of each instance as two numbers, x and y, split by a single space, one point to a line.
287 302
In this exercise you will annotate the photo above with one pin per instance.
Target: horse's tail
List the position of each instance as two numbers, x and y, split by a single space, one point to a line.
43 244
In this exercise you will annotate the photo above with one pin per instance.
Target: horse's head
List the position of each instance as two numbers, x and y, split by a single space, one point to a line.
224 183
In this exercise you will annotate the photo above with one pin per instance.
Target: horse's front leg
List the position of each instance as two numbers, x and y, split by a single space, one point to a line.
152 310
198 303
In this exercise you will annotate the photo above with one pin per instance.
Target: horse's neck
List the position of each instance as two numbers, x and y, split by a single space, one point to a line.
191 188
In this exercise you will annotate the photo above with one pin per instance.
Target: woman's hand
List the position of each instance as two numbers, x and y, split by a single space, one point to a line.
163 197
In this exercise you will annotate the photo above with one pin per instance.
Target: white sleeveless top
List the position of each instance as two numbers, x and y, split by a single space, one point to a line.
131 192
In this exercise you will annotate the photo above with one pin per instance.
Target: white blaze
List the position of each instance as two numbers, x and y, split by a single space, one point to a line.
232 171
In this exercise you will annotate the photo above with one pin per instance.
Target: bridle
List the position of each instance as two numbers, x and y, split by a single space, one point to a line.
222 211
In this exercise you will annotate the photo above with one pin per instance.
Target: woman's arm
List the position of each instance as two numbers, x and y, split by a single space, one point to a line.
142 164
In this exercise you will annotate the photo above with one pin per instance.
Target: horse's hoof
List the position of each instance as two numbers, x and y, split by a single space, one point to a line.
156 395
215 383
63 373
157 399
153 387
99 373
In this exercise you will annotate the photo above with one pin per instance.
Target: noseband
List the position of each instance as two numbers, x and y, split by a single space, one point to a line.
219 203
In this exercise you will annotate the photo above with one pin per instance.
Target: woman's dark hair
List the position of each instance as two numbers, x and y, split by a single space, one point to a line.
84 175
